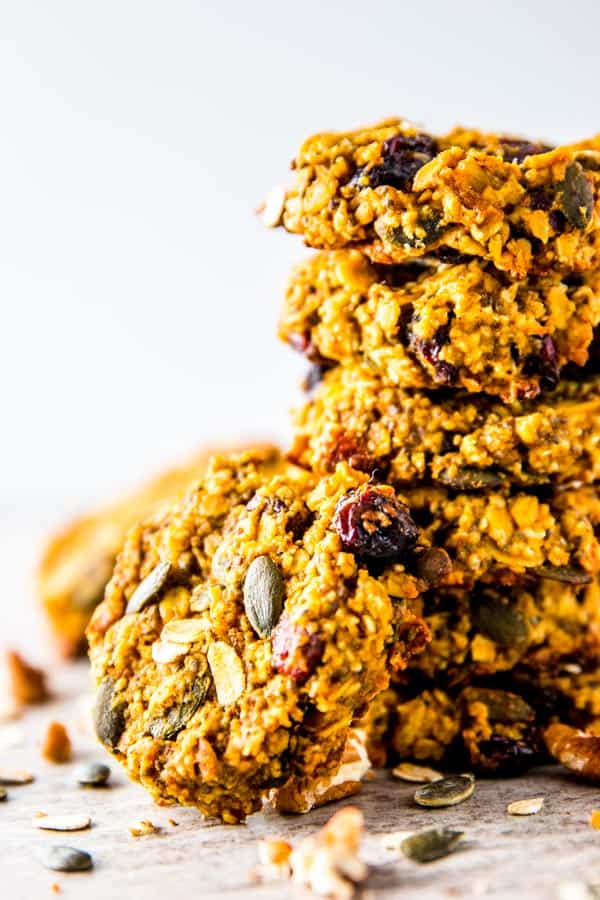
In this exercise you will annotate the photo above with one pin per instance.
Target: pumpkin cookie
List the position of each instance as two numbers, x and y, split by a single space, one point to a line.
401 194
245 631
460 326
461 440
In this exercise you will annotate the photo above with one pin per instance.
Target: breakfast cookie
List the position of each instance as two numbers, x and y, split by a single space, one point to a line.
78 561
401 194
464 441
245 630
460 326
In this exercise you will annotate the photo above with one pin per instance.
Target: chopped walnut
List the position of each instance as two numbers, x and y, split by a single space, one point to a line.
26 683
328 863
576 750
56 746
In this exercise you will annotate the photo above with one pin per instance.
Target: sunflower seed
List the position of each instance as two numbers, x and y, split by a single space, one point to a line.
425 846
167 727
577 196
62 823
14 777
448 792
263 595
147 590
184 631
109 720
416 774
93 774
528 807
566 574
65 859
227 672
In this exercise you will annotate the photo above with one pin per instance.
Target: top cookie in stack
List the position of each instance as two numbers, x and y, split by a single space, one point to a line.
449 321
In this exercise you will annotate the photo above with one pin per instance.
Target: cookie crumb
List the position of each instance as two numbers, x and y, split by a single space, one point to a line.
143 827
56 746
55 888
595 819
173 822
26 683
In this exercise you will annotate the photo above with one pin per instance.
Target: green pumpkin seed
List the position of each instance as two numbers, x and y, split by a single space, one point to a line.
447 792
109 720
466 479
264 589
167 727
502 706
147 590
577 196
499 621
566 574
425 846
93 774
65 859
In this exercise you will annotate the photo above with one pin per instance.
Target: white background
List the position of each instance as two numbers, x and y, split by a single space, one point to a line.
139 294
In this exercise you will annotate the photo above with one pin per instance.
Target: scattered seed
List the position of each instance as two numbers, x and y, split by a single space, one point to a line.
416 774
425 846
528 807
93 774
184 631
167 651
566 574
14 777
109 720
62 823
65 859
144 827
167 727
264 589
56 746
271 210
227 672
448 792
147 590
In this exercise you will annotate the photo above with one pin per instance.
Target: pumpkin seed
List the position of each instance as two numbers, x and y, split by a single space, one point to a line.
14 777
447 792
263 595
62 823
65 859
425 846
466 479
147 590
577 196
109 720
93 774
167 651
416 774
433 565
499 621
167 727
184 631
502 706
566 574
528 807
227 672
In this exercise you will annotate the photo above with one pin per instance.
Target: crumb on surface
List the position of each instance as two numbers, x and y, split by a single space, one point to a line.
143 827
595 819
56 745
26 683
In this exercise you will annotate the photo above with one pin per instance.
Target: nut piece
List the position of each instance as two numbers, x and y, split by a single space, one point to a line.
328 863
528 807
184 631
263 595
416 774
574 749
448 792
56 746
27 684
168 651
227 672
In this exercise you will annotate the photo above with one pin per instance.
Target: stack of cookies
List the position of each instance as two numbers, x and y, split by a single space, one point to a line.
449 324
418 578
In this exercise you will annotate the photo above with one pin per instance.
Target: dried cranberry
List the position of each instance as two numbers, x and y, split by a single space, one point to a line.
374 525
403 156
296 651
348 448
506 757
541 198
429 351
301 342
544 363
451 256
515 150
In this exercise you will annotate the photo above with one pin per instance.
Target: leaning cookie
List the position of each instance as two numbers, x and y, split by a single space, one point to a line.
79 559
401 194
460 326
244 632
461 440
